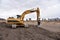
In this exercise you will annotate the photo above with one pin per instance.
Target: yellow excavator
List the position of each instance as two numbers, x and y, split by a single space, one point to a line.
19 21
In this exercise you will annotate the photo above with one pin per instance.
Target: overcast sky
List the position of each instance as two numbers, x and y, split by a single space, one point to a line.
48 8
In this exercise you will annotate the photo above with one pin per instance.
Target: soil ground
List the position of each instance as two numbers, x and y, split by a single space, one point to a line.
46 31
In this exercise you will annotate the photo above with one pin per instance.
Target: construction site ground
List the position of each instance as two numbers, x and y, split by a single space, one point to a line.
46 31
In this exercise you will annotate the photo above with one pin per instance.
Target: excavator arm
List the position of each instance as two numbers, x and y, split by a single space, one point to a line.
30 11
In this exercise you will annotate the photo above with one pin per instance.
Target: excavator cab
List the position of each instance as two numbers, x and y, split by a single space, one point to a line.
18 16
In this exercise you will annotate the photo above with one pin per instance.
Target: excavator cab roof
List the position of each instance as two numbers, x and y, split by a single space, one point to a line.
18 16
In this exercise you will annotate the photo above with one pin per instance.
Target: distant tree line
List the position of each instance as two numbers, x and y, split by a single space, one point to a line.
51 19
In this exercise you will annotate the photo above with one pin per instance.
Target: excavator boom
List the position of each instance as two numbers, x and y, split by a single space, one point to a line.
30 11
